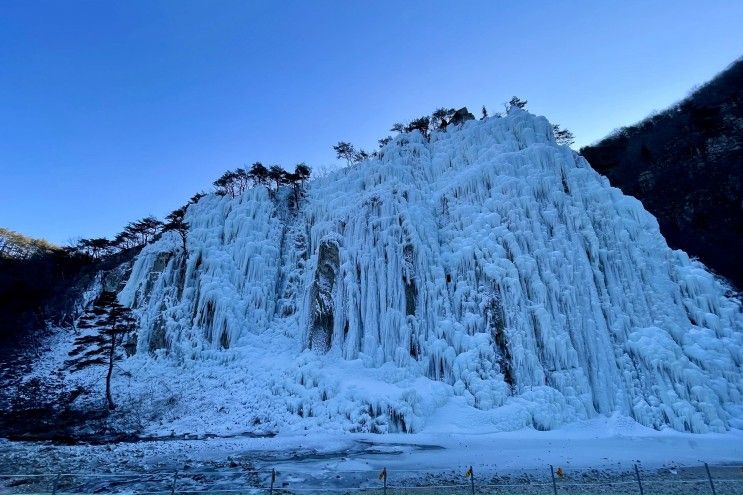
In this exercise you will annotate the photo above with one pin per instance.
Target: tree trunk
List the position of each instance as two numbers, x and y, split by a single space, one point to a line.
111 405
297 190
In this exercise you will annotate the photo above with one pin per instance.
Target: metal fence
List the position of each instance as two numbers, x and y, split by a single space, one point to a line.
550 480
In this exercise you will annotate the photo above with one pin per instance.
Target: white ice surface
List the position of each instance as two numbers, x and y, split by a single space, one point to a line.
487 279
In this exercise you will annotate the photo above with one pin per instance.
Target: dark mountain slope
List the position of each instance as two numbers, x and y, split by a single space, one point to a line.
41 283
686 166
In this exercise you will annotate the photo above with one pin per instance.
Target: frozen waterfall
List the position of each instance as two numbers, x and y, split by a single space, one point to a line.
485 269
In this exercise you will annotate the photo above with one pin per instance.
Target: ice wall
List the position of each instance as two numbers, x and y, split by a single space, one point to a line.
487 268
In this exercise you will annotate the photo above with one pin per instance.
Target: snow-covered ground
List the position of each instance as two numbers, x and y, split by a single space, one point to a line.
600 450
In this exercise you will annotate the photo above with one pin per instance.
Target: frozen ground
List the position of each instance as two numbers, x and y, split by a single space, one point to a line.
600 450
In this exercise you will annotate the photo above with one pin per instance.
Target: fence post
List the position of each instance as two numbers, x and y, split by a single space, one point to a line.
273 480
56 483
639 482
175 480
383 476
554 483
709 477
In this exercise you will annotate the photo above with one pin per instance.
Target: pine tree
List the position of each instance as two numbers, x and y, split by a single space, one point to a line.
516 102
259 173
100 246
124 240
438 117
82 246
150 228
484 113
360 156
293 181
278 175
242 180
384 141
174 223
420 124
563 136
105 326
345 151
134 232
94 248
196 197
303 172
227 184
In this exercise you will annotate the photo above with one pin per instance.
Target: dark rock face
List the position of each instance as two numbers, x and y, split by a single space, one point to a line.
47 288
686 166
460 116
323 319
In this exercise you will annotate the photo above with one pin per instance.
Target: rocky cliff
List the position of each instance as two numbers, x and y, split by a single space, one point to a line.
686 166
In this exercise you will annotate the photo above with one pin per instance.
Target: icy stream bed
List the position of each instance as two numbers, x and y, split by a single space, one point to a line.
597 451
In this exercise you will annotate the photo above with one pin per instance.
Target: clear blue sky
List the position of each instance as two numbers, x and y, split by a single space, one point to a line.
110 111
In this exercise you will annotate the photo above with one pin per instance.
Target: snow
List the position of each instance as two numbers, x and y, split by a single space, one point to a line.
484 279
605 449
